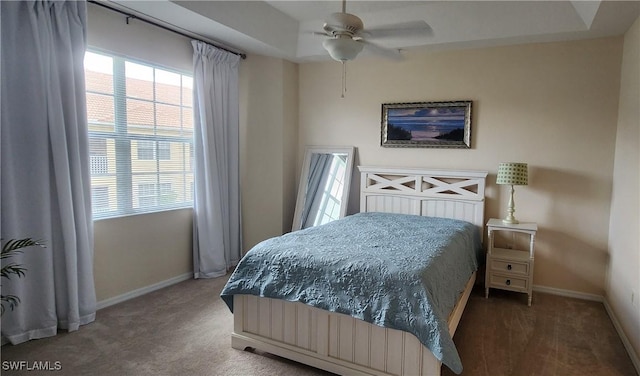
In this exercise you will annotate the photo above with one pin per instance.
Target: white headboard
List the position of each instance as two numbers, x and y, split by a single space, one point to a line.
457 194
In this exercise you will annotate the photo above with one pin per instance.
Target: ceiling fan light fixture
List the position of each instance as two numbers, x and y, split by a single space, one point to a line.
343 49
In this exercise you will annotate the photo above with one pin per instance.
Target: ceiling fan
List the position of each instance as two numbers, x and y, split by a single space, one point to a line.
348 37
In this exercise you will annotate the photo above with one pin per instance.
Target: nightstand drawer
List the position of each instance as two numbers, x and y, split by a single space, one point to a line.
510 267
508 282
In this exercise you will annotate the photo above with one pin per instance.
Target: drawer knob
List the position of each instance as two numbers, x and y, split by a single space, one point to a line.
509 267
508 282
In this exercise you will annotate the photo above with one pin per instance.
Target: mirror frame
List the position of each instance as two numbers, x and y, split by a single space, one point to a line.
304 179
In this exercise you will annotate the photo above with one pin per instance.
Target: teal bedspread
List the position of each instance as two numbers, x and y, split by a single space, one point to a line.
398 271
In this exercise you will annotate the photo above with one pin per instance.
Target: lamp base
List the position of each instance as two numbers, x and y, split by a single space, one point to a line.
510 221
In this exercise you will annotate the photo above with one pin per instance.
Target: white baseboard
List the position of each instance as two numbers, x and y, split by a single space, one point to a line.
143 290
625 340
568 293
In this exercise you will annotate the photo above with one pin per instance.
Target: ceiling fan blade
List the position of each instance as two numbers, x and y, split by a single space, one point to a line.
405 29
319 33
389 53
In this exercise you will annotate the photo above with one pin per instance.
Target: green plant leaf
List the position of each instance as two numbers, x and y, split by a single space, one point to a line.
10 249
13 245
11 300
13 268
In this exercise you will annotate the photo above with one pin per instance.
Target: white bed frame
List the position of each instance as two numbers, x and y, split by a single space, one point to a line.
340 343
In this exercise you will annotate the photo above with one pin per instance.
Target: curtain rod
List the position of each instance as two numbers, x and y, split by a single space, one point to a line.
133 16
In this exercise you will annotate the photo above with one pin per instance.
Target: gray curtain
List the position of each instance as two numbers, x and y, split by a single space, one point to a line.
217 244
45 167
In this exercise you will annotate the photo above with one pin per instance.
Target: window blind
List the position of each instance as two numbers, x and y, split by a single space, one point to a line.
140 136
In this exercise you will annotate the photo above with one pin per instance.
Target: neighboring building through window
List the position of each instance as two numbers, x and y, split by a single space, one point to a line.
98 160
100 199
140 136
148 150
152 195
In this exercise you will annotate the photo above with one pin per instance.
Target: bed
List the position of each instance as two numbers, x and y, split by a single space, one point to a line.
355 342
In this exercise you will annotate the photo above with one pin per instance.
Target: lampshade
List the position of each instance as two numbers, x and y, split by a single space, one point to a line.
343 49
512 173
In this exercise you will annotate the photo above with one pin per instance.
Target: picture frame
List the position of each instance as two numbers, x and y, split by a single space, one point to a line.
426 125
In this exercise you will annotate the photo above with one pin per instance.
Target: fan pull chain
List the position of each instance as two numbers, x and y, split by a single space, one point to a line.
344 78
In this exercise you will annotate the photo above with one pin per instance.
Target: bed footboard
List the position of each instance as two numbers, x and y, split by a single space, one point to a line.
332 341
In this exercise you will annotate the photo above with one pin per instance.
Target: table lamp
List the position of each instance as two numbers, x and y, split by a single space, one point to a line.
512 173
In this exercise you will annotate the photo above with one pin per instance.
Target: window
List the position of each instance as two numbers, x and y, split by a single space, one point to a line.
98 161
147 150
100 199
140 136
152 195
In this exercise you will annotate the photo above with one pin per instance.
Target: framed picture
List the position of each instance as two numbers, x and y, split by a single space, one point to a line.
426 125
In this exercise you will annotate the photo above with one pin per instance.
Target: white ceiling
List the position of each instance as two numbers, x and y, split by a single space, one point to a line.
284 28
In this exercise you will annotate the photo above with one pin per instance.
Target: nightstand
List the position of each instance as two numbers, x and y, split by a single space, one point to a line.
510 269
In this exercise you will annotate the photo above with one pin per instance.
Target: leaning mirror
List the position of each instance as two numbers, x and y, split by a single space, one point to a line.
324 185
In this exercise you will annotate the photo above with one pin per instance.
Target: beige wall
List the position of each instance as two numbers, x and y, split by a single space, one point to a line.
290 142
109 31
268 134
624 242
141 250
552 105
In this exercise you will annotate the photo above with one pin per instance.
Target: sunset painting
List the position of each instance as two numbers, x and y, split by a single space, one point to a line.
435 124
